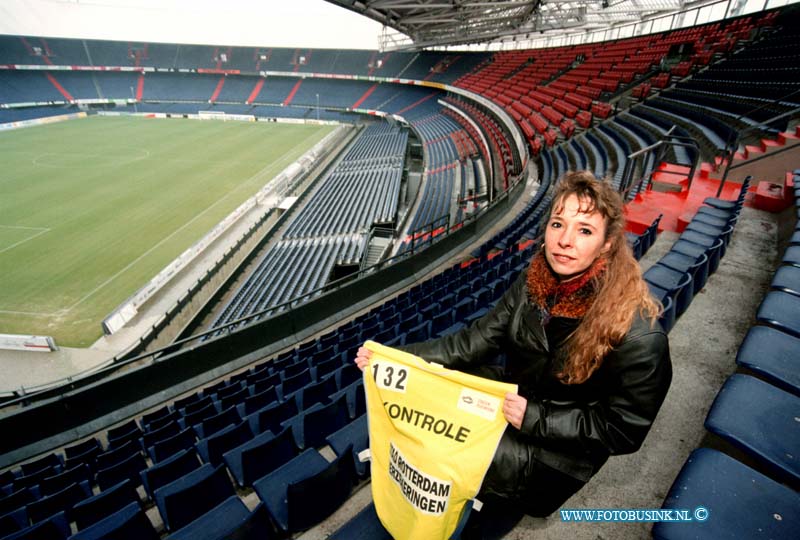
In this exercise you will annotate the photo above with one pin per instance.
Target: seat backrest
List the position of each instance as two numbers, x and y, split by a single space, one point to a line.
172 468
104 504
55 483
320 423
215 423
172 445
256 526
62 500
195 498
260 460
313 499
225 440
129 523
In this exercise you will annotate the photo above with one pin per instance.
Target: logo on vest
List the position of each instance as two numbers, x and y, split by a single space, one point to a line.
478 403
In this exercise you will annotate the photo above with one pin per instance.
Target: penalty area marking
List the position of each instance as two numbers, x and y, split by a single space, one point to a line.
38 232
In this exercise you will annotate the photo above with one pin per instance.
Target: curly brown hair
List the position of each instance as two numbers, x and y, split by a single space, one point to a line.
621 290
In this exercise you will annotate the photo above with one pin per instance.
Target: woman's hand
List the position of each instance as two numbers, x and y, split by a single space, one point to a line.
514 409
362 357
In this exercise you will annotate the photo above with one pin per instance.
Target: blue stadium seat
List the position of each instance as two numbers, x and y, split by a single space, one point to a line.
355 437
218 422
761 420
127 469
772 354
49 461
172 445
310 427
117 454
172 468
315 393
779 309
260 456
61 501
356 399
258 401
712 251
186 499
270 417
104 504
786 279
34 478
52 484
678 285
741 502
119 435
53 528
170 429
13 522
697 268
18 499
213 448
229 519
129 523
306 490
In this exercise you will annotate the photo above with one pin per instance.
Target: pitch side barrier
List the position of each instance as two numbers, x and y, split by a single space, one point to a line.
41 422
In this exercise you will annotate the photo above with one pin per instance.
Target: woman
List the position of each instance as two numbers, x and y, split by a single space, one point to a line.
580 338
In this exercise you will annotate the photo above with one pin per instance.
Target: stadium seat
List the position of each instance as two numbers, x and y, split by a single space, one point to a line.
172 445
258 400
354 437
761 420
772 354
741 502
260 456
306 490
272 416
186 499
212 449
129 523
50 460
678 285
127 469
230 519
169 470
53 528
104 504
61 501
779 309
52 484
310 427
213 424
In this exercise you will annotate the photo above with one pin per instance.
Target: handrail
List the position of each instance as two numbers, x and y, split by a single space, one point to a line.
667 140
736 137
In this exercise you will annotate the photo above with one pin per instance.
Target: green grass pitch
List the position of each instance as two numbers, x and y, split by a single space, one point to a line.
92 209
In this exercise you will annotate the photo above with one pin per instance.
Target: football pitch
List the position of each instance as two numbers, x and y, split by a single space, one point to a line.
92 209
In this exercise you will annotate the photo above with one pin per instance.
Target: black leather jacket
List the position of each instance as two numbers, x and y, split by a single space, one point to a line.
572 428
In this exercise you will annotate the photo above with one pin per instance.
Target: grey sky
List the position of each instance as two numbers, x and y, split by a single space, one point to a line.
277 23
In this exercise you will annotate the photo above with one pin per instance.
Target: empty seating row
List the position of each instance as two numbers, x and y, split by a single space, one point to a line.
755 492
682 272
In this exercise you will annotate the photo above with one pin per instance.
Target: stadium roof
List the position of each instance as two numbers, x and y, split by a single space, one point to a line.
431 23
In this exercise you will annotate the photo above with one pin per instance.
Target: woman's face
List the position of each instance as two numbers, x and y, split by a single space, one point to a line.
574 238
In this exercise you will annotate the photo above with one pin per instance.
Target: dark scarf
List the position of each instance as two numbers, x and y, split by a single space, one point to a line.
570 299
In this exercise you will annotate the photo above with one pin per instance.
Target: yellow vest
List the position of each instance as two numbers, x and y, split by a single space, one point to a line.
432 434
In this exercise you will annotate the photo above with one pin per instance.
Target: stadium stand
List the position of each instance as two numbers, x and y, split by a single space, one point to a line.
254 427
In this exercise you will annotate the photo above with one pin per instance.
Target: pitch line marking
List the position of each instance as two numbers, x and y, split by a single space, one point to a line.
42 230
255 176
